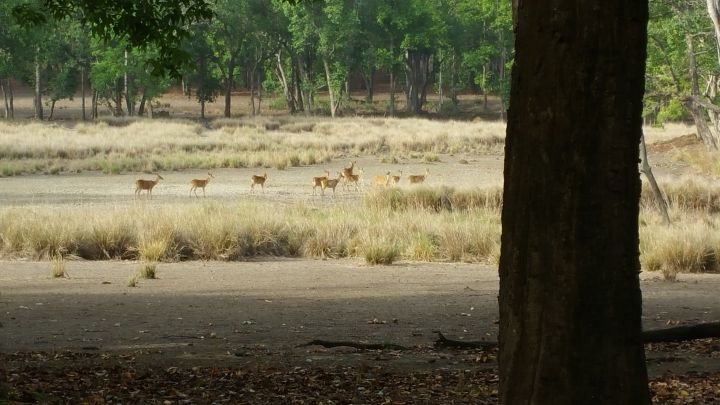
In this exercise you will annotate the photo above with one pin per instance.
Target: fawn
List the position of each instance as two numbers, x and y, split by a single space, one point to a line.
258 180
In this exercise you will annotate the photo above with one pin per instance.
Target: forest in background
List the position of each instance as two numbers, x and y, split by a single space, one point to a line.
288 54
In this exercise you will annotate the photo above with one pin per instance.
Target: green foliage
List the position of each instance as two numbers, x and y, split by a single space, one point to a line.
672 111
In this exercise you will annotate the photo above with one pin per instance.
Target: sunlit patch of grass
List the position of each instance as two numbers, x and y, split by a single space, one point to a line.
149 271
58 267
133 280
381 252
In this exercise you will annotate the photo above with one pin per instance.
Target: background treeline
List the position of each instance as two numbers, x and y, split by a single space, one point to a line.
294 51
286 53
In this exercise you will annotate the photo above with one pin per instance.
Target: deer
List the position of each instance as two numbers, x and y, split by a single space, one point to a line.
200 183
258 180
331 183
419 178
353 178
395 180
348 171
317 182
148 185
381 180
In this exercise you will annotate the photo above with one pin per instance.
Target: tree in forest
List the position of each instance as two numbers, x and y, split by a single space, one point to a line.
204 76
570 302
683 67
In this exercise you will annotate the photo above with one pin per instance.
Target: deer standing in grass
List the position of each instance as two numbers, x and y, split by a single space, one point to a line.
331 183
148 185
200 183
419 178
395 180
258 180
382 180
317 182
353 178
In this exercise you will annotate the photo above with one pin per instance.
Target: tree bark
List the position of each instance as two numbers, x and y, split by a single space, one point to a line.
646 169
12 103
392 78
282 78
52 110
129 103
94 105
570 301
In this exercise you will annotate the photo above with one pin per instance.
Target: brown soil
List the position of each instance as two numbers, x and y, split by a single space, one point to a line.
234 314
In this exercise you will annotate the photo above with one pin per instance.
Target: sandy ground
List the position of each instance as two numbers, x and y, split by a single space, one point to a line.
240 313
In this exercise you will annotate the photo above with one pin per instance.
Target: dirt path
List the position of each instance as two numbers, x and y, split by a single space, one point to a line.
202 313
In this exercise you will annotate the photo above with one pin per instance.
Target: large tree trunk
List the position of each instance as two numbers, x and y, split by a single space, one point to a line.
38 89
570 302
713 7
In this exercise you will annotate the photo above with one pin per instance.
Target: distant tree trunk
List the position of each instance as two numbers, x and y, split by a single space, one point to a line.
392 78
453 80
283 79
331 92
306 87
646 169
118 99
5 97
94 105
202 109
11 97
440 85
38 89
296 83
570 301
695 109
417 74
129 102
369 81
229 86
52 110
141 108
82 91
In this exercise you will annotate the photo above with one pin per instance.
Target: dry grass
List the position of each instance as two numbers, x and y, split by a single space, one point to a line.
58 267
149 271
701 159
126 145
210 231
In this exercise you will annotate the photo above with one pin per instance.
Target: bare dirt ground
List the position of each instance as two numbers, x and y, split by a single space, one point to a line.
235 314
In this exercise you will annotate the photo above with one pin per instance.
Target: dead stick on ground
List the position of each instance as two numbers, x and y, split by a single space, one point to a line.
676 334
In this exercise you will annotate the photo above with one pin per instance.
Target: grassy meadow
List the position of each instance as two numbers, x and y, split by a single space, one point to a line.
429 223
126 145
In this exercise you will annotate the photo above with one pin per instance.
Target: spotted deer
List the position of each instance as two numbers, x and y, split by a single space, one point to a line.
148 185
200 183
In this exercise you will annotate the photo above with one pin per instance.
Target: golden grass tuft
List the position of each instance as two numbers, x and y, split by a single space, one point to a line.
148 271
133 280
58 267
381 252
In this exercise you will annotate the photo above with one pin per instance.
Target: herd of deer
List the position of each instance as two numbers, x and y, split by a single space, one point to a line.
348 176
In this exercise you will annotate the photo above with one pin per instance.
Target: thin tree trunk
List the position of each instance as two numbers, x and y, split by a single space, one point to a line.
94 105
440 85
141 108
129 103
331 91
228 87
646 169
52 110
392 79
570 301
12 103
38 93
82 91
202 109
5 97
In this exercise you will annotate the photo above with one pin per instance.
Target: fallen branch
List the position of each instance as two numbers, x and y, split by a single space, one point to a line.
676 334
356 345
683 333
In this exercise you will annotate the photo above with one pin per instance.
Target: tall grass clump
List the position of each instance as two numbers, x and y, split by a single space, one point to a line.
58 267
381 251
148 271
